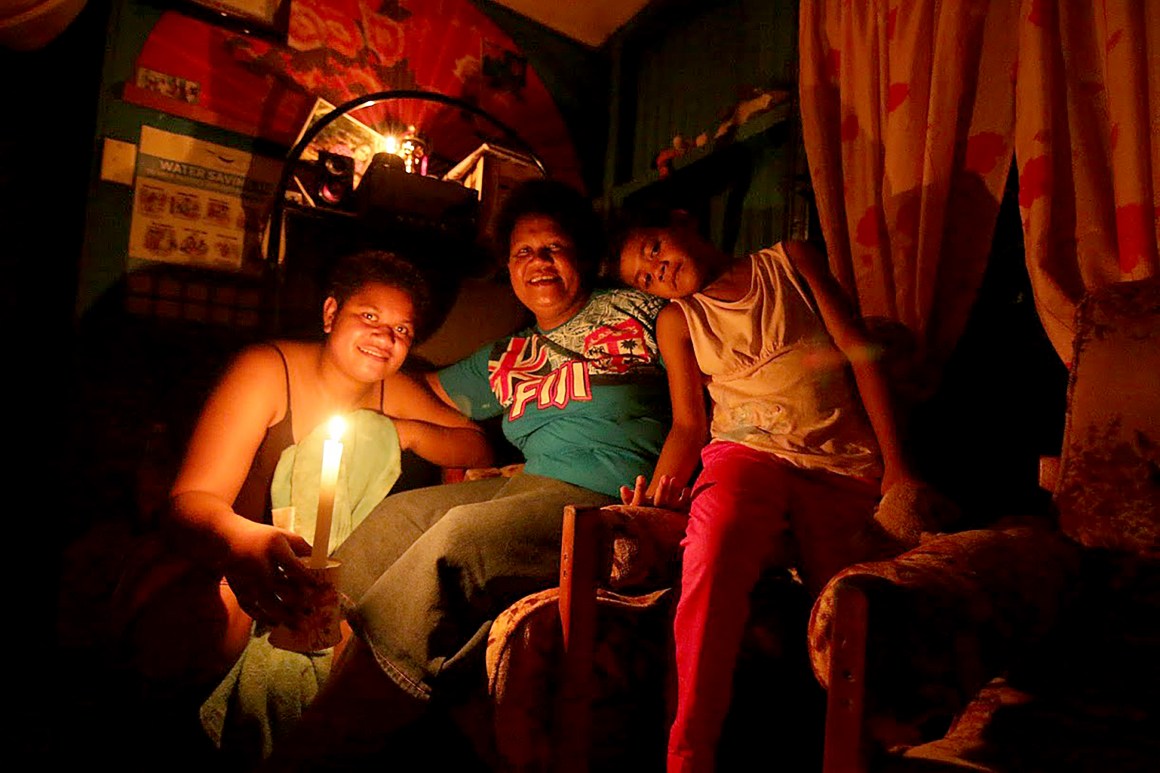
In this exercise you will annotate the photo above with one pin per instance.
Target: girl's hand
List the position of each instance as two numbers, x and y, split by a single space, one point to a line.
669 496
666 495
266 574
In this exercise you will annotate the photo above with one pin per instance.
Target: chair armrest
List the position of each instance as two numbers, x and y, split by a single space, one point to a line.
1048 473
619 546
941 620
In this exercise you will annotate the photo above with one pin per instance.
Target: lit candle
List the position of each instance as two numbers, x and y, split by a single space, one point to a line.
331 456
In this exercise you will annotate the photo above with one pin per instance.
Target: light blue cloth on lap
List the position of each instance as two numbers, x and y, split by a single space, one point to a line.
369 467
262 697
267 689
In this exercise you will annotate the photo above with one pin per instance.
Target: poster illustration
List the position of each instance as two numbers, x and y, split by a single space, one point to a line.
198 203
339 50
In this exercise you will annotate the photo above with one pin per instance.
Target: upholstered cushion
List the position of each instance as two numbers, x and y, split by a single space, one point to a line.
946 616
643 544
1084 702
1108 493
629 668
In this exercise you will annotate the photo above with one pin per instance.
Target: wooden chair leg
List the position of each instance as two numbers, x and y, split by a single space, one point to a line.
578 617
845 746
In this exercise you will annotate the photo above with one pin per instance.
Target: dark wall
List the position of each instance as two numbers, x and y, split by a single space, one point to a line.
577 78
46 149
681 68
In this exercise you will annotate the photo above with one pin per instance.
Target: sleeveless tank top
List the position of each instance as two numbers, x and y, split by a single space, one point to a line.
777 380
253 500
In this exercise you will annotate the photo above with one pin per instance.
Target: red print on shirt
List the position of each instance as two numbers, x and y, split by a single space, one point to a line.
519 362
516 383
616 348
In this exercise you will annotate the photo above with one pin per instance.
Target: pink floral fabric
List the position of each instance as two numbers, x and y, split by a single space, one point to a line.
946 616
907 113
630 666
1087 143
639 548
1108 494
911 111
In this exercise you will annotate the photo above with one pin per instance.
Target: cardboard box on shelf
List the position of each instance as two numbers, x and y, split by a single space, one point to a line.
493 171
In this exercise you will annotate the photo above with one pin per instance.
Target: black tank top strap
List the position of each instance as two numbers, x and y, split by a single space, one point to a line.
253 500
285 375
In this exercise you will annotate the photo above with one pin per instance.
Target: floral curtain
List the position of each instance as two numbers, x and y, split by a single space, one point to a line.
907 112
911 111
1087 144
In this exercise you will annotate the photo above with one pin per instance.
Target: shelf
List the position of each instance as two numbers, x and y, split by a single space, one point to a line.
690 165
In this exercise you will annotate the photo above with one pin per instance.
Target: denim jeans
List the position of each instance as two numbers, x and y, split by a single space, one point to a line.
431 568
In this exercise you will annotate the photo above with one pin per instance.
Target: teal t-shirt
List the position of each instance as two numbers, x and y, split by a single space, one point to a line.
586 402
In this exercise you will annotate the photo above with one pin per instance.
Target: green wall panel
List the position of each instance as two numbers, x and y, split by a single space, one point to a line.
680 68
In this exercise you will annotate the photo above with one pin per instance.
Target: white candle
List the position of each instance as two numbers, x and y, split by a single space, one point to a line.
331 457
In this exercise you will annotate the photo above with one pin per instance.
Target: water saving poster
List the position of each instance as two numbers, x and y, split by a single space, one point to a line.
198 203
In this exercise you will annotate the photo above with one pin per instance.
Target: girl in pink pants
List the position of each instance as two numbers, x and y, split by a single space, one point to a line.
802 441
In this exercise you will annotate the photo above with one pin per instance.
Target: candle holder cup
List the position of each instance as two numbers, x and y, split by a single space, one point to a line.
320 629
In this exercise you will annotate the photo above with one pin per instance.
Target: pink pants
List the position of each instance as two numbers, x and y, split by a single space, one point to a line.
750 511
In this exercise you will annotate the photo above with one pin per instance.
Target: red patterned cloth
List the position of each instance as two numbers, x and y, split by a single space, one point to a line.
524 652
342 49
641 550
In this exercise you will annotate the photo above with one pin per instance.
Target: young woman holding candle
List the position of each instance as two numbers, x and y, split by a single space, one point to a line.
271 397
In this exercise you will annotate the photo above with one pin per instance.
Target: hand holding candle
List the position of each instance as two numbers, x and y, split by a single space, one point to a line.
320 627
331 458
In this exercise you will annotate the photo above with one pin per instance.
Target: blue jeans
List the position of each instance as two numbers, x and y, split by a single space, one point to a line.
431 568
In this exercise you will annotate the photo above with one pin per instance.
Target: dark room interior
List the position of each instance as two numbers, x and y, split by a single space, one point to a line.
119 330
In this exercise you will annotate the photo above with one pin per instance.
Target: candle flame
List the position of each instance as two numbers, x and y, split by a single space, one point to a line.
337 427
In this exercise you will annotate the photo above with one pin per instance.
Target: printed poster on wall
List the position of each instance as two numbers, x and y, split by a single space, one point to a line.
198 203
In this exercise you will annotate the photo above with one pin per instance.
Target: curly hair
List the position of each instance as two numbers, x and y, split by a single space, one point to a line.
568 208
356 270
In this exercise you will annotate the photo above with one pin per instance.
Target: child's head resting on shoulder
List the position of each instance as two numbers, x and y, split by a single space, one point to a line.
659 250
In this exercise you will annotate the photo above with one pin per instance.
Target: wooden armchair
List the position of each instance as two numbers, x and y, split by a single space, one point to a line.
1030 646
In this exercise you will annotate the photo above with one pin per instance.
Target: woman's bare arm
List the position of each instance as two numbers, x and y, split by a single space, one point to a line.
201 518
429 425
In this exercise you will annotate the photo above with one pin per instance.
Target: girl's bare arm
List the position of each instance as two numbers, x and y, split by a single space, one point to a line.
850 336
